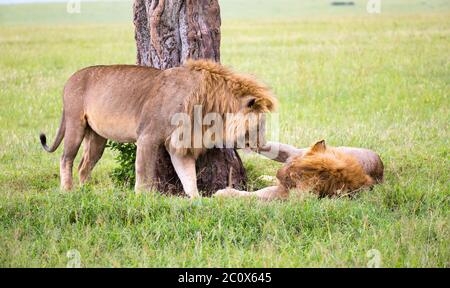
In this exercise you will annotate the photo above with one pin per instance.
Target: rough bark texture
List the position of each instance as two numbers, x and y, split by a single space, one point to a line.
167 33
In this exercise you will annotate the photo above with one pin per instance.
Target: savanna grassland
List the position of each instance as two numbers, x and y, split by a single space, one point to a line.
377 81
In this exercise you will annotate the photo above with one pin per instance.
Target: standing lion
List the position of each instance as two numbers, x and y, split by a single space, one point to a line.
127 103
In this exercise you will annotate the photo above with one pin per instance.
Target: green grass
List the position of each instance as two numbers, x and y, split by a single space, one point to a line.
375 81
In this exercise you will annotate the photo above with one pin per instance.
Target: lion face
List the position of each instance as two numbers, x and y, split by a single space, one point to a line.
223 110
246 128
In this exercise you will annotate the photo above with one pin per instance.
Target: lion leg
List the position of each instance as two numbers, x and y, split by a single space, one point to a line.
93 147
72 140
146 157
268 193
185 169
279 152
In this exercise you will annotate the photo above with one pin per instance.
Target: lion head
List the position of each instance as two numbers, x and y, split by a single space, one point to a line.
231 108
324 171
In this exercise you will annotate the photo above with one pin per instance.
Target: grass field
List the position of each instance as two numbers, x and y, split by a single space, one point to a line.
377 81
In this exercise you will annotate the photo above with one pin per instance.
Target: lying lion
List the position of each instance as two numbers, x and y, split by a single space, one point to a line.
324 171
128 103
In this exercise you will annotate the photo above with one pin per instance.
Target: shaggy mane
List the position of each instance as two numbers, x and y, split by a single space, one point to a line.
326 172
220 91
222 87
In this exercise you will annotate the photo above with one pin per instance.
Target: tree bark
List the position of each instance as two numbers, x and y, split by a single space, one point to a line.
167 33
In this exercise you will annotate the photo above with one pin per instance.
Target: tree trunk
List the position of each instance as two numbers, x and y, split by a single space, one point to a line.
167 33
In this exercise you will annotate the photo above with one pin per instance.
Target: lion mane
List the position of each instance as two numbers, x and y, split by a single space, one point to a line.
220 90
325 171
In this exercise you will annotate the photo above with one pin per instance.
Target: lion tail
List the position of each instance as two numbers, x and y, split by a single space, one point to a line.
59 137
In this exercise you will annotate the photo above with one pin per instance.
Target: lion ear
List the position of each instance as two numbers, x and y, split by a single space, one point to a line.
248 102
255 104
319 146
251 103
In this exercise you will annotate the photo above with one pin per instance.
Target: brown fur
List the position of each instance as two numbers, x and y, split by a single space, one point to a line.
324 171
128 103
222 91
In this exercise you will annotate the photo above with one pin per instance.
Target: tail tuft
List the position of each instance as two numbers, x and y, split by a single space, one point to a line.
59 137
43 139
